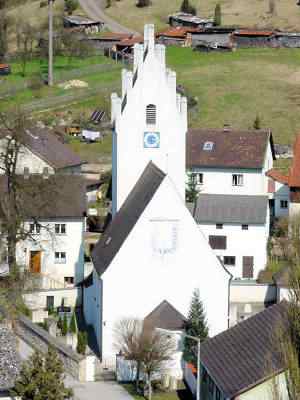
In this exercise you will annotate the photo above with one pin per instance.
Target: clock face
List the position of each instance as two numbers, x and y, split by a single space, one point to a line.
151 140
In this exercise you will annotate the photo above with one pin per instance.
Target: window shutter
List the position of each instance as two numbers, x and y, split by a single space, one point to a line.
248 263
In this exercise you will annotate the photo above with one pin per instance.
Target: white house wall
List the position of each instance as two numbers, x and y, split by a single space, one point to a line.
139 278
251 242
265 391
48 243
38 300
282 192
27 159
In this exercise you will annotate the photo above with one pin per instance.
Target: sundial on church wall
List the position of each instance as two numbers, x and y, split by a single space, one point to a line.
164 236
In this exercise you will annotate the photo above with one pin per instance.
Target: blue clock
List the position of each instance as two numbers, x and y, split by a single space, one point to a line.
151 140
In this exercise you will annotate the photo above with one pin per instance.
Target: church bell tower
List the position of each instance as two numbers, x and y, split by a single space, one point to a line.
149 120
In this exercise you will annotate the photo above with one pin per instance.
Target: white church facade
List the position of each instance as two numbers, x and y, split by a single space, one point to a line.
152 251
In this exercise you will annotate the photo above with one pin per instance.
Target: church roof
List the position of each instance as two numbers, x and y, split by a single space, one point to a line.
126 218
165 316
222 208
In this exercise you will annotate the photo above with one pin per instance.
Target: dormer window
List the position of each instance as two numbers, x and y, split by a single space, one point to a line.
151 114
208 146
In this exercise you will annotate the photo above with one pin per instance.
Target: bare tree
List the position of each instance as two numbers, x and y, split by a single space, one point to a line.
149 348
20 200
26 39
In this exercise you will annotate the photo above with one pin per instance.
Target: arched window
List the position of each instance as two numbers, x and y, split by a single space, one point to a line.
151 114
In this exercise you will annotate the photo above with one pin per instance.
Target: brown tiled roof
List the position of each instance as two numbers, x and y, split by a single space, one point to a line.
115 35
131 41
178 32
277 176
59 196
245 355
165 316
44 143
124 221
231 148
252 32
294 175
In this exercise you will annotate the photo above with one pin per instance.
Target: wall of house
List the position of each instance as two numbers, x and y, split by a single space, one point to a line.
165 257
219 180
48 243
251 242
92 307
38 299
155 85
28 159
282 192
220 38
266 390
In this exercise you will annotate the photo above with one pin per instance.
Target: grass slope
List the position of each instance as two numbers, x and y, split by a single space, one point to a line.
233 87
234 12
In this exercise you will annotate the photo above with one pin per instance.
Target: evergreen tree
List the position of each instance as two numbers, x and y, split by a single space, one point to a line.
73 327
186 7
59 323
53 387
218 15
256 123
42 378
71 6
64 329
82 342
191 192
196 325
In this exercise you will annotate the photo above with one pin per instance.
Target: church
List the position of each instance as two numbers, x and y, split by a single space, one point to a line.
152 252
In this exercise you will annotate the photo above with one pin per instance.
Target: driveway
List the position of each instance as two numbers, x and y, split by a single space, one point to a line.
94 10
106 390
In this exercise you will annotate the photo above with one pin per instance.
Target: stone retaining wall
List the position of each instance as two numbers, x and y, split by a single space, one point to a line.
39 339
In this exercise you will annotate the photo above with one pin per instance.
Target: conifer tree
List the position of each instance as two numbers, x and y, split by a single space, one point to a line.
82 342
196 325
191 192
73 327
256 123
42 378
218 15
59 323
64 329
186 7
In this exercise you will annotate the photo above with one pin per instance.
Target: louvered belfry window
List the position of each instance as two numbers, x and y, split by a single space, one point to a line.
151 114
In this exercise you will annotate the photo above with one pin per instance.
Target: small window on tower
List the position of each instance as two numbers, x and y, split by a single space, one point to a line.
151 114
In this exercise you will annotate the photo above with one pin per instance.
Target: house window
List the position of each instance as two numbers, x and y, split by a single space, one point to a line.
229 261
284 204
60 257
218 242
218 394
60 229
69 280
208 146
197 178
237 180
219 226
245 227
34 229
151 114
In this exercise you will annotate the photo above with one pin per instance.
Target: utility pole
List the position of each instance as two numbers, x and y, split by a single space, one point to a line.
50 60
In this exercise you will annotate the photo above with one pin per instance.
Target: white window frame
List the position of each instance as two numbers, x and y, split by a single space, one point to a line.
237 180
60 229
34 228
62 257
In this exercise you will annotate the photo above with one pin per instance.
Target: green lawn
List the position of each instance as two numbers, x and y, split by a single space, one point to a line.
181 394
233 87
93 152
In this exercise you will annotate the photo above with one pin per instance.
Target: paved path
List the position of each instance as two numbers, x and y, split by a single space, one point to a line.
105 390
94 10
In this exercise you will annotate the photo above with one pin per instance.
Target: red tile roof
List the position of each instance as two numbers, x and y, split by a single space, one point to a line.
250 32
178 32
115 36
131 41
294 176
277 176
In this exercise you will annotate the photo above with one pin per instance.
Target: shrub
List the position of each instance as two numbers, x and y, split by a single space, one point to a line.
143 3
73 327
82 342
64 329
186 7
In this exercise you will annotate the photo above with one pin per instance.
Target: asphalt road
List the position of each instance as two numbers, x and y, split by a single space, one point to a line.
94 10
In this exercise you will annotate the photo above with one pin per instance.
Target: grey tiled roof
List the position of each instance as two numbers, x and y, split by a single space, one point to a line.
126 218
219 208
165 316
245 355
